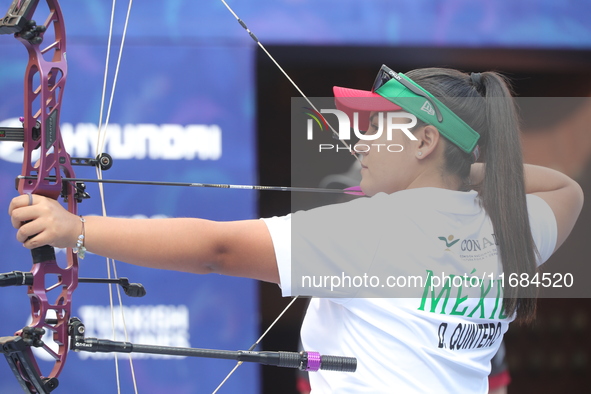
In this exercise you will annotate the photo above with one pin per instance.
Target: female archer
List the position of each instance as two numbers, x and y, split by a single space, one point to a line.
461 178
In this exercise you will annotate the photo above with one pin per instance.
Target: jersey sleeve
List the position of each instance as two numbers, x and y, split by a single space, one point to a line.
314 248
543 226
280 229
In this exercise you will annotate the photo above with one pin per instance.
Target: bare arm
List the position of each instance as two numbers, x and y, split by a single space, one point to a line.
239 248
561 193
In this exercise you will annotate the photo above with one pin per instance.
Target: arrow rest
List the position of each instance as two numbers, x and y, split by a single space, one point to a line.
104 161
79 191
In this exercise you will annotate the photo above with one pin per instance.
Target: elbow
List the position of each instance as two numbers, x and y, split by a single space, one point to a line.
216 262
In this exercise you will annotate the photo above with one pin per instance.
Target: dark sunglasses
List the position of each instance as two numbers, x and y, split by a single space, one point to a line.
386 74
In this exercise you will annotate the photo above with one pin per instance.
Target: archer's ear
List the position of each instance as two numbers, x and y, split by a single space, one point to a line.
428 139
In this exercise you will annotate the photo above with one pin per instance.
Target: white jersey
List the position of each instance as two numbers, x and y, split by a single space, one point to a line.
365 258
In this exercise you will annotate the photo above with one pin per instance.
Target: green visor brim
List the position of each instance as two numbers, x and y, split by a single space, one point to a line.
452 127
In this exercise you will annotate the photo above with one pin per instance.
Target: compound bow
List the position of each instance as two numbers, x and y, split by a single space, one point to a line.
52 176
45 78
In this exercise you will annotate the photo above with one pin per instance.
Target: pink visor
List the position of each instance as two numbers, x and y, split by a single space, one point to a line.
362 102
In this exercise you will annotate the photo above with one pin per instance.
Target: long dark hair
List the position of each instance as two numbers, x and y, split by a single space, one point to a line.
484 101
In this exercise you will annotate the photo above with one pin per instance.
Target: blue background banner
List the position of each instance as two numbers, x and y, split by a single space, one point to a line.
527 23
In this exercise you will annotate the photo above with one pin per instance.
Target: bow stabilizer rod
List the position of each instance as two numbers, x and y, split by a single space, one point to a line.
20 278
305 361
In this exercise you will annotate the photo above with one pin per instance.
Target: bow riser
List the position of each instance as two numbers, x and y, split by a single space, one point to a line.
44 85
53 316
45 79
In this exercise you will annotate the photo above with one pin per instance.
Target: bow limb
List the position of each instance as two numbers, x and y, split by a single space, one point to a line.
45 79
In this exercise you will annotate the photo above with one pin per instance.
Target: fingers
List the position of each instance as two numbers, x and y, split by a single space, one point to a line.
20 201
17 214
31 235
44 222
24 217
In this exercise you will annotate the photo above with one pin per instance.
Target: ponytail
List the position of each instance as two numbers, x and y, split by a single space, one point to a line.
484 101
503 194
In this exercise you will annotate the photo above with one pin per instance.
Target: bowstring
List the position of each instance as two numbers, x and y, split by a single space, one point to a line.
254 345
254 37
101 141
100 148
260 44
101 144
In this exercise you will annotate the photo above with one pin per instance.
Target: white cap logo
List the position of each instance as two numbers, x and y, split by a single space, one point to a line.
428 108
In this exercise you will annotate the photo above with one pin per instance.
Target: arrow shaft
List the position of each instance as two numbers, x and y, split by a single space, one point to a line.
191 184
